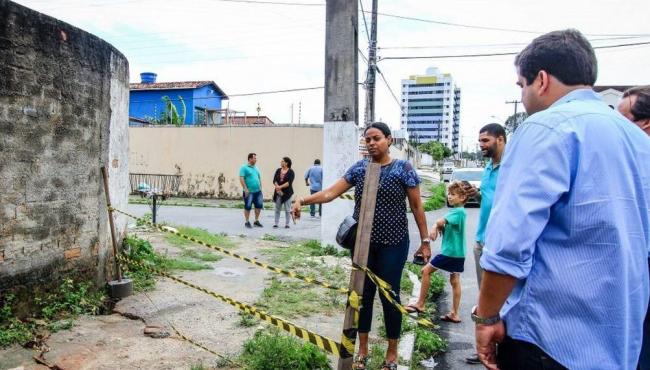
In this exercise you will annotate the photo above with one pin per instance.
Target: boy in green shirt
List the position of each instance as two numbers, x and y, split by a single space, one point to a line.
452 258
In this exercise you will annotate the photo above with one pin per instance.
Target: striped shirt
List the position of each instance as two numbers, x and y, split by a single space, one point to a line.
571 222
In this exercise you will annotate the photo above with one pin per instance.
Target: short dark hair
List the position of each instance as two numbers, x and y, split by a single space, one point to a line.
641 107
494 129
379 126
251 155
567 55
287 160
316 161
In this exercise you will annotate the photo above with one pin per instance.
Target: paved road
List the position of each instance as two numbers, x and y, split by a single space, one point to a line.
230 221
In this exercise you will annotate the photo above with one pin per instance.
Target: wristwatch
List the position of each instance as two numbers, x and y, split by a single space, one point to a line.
427 240
485 320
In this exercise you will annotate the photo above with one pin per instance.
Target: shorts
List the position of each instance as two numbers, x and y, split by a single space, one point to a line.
449 264
253 198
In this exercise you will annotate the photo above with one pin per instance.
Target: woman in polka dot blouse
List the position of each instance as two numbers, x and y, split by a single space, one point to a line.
389 239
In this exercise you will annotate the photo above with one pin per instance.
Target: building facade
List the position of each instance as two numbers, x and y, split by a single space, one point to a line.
431 108
180 103
611 94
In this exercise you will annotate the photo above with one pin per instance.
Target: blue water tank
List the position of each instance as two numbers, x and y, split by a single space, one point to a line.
148 77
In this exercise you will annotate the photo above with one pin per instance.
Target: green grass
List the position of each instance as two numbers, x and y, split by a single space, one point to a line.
376 356
438 281
220 240
142 251
246 320
292 298
437 199
205 256
427 344
54 311
270 349
270 238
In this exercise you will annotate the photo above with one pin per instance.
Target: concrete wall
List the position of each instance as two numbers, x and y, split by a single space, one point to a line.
63 114
209 157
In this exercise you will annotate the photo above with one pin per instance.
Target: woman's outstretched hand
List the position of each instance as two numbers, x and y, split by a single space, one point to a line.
295 210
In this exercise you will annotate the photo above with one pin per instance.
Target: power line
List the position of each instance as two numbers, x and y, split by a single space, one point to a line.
488 28
500 54
389 88
363 13
235 95
490 45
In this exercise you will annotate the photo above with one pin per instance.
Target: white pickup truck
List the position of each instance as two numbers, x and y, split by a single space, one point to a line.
447 170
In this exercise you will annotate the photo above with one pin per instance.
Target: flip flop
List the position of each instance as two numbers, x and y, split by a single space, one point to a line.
412 309
448 318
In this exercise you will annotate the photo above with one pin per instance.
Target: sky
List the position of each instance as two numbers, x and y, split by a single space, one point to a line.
247 47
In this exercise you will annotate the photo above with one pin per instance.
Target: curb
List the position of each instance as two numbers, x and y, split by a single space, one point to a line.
407 342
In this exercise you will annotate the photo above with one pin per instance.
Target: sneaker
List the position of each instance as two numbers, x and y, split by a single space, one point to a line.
275 226
473 359
258 224
248 225
286 226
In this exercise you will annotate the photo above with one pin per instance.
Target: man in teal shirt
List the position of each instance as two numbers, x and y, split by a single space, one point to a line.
492 140
251 182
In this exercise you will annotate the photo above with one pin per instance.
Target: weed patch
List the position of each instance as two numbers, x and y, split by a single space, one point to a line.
270 238
437 199
292 299
141 251
273 350
427 344
247 320
203 235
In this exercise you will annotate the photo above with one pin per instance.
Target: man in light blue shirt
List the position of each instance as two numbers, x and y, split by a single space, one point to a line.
565 257
314 179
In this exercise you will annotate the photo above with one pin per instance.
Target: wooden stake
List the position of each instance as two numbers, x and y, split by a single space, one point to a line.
112 225
362 245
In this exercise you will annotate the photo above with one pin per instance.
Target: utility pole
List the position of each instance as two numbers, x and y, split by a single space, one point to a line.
299 111
292 113
341 120
372 67
516 120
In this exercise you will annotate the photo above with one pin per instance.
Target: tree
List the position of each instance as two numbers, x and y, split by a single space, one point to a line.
436 150
170 116
513 122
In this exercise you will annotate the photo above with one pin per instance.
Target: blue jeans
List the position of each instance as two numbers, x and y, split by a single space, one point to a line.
312 207
253 198
387 262
644 359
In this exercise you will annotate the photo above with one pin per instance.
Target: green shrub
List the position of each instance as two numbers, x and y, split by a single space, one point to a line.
427 344
70 299
273 350
437 199
12 330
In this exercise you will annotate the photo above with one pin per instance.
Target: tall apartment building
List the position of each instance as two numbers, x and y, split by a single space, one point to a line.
431 108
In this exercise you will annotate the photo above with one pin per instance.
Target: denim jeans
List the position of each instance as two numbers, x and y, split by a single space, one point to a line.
387 262
312 207
253 198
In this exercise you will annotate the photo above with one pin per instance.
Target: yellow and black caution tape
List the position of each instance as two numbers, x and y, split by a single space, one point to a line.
324 343
347 196
384 287
266 266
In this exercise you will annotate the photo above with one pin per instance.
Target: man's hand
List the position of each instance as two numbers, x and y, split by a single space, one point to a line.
487 337
471 190
246 192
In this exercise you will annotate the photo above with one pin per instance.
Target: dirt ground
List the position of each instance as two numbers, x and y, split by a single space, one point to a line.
117 340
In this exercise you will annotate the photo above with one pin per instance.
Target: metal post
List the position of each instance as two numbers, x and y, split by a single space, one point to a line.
372 67
153 210
110 221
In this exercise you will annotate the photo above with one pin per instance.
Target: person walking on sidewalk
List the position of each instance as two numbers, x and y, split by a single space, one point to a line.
283 182
452 256
251 182
566 250
314 179
492 141
635 106
389 238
